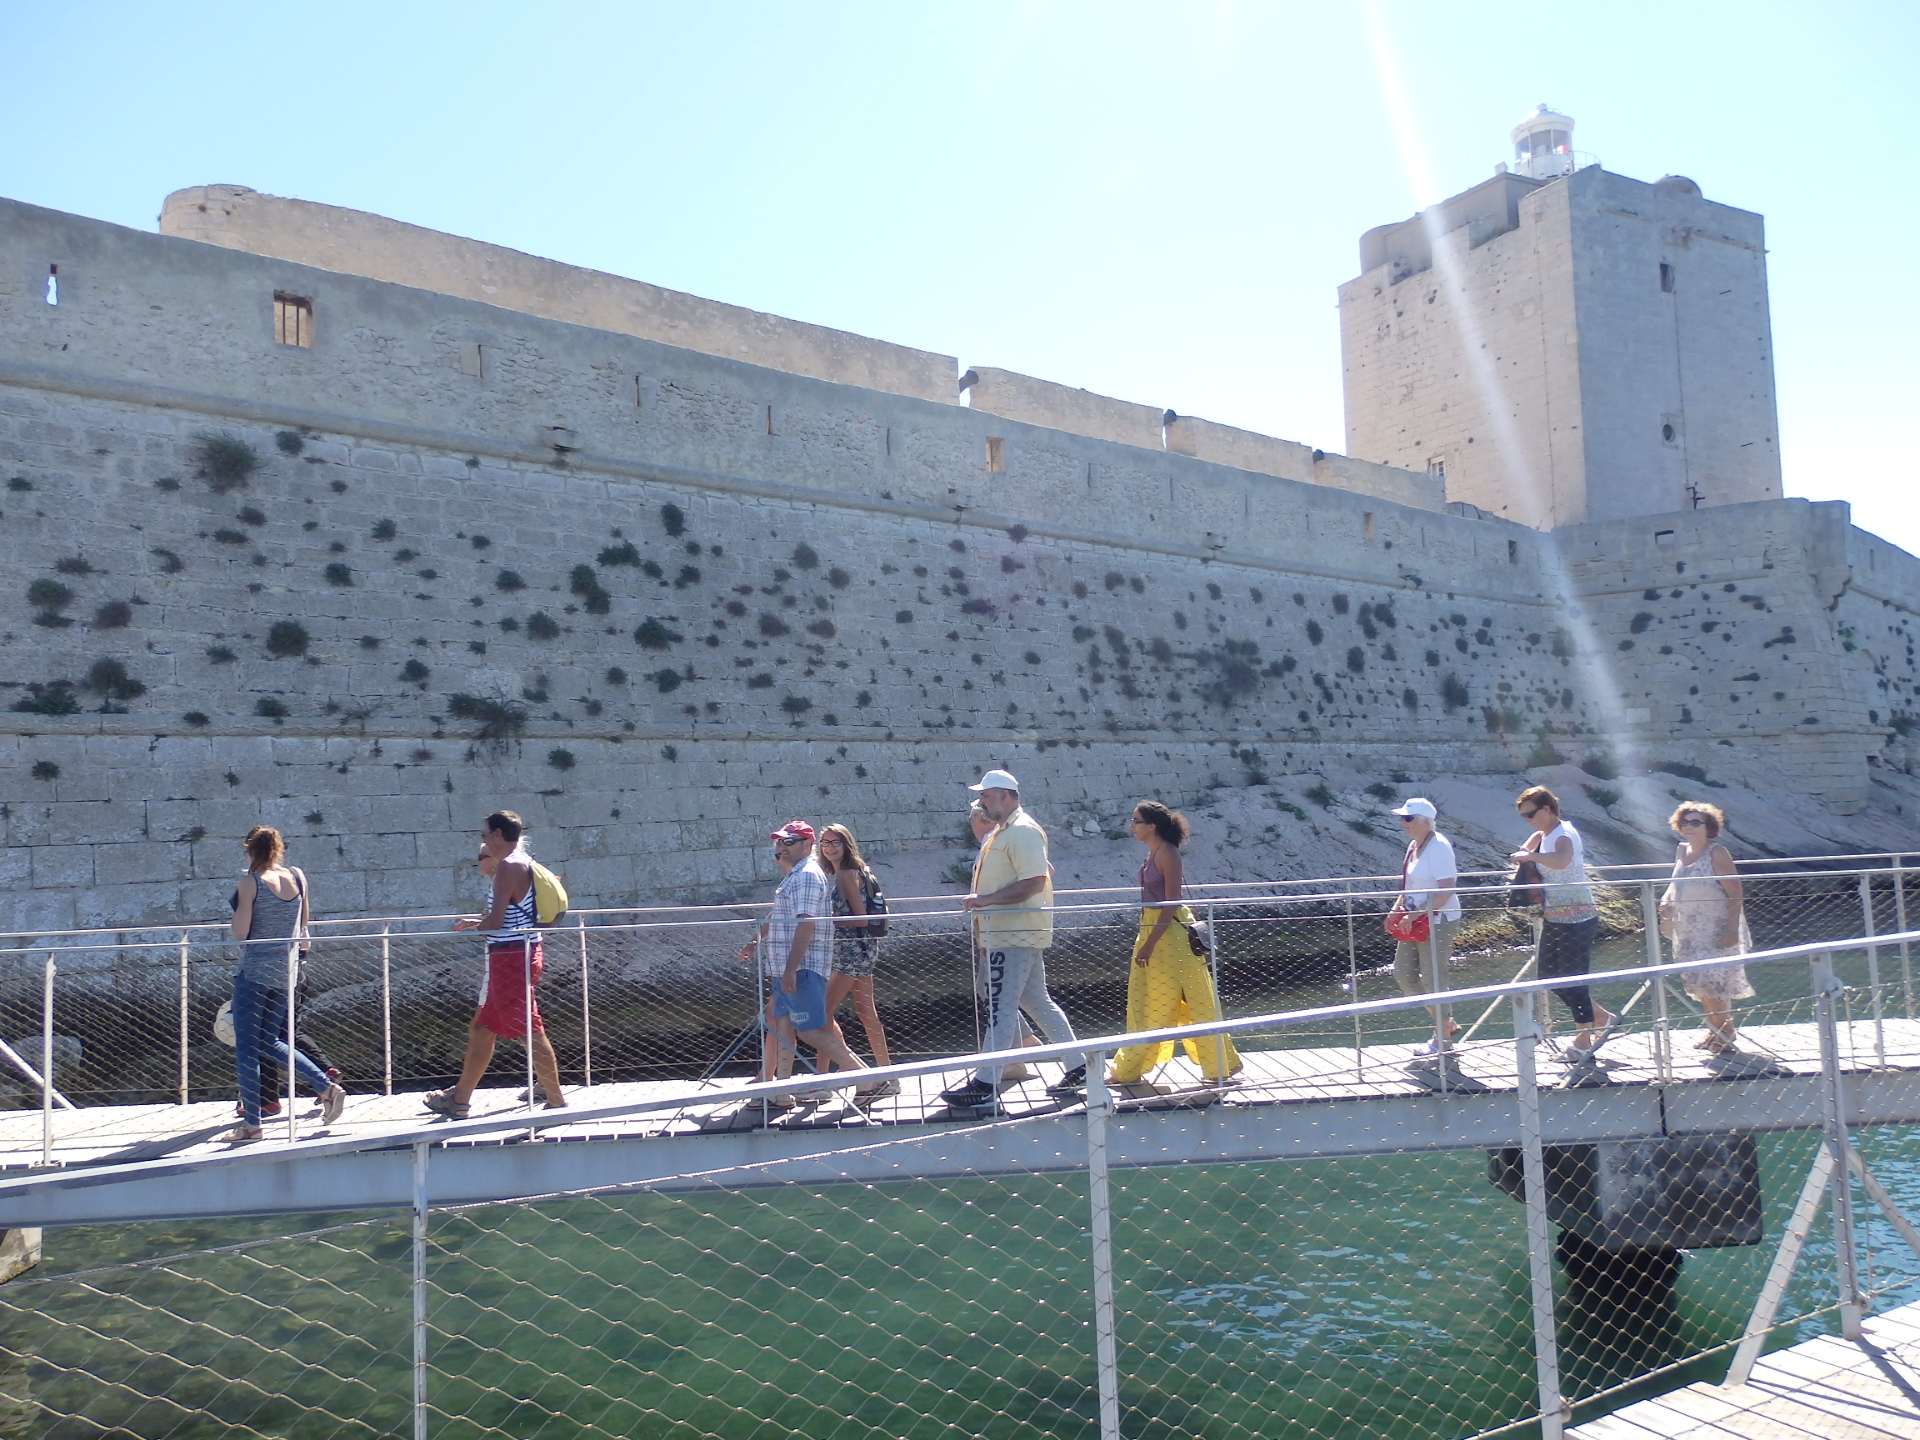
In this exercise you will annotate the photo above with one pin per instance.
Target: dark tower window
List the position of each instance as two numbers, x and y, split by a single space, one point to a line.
1666 277
292 319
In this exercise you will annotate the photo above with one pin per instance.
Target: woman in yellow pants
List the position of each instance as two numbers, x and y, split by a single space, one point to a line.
1169 983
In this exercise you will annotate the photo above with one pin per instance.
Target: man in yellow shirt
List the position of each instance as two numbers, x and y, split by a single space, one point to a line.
1013 897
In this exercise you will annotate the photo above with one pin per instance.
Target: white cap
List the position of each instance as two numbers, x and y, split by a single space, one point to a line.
1418 806
997 780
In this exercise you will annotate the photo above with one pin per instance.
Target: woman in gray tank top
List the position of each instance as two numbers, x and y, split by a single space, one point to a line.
269 919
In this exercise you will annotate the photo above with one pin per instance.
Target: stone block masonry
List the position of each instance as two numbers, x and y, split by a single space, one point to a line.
659 601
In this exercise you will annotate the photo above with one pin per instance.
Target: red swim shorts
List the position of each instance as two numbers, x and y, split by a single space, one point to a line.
505 1001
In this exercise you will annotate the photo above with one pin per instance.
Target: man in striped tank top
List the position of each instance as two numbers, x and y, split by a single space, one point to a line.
508 1009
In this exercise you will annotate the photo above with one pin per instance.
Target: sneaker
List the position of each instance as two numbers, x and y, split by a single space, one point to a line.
1071 1083
972 1095
331 1104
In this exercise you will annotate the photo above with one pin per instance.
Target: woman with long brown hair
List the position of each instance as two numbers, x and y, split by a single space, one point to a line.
1169 982
855 952
270 916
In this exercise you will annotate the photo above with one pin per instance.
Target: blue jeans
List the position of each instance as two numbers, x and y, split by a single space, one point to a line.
259 1015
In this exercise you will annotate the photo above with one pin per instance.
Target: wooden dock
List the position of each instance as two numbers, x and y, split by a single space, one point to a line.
1828 1388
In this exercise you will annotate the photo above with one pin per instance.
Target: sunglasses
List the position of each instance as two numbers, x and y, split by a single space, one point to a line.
1692 822
782 844
1529 814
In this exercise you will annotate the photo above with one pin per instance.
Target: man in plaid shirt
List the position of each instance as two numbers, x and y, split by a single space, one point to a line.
798 959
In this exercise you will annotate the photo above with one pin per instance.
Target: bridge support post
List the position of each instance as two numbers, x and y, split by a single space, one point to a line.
420 1290
1853 1307
1106 1356
1554 1410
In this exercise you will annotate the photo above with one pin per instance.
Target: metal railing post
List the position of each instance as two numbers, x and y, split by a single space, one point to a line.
1554 1410
1353 985
1106 1355
293 981
46 1067
526 1018
1853 1307
1219 1000
386 1007
1869 930
420 1290
1662 1024
1900 924
185 1038
586 1008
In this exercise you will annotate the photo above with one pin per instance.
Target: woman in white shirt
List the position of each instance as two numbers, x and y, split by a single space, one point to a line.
1430 888
1572 920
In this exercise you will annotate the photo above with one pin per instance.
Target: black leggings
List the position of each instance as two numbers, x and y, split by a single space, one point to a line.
1567 949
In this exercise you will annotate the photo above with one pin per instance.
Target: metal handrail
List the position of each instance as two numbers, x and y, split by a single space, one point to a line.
741 911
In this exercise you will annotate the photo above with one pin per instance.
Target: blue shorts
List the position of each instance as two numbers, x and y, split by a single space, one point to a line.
807 1006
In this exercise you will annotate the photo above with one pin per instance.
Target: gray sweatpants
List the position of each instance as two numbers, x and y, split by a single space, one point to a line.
1017 981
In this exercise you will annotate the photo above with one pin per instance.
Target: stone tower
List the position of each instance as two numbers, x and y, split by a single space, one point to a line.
1564 344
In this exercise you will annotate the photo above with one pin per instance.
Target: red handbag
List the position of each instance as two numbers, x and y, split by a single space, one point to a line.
1410 927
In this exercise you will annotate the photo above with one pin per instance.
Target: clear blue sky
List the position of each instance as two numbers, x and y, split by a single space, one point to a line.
1153 201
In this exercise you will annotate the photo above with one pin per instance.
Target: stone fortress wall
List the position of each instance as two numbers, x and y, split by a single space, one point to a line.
658 600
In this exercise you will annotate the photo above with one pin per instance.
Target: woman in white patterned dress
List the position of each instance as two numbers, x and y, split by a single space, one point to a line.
1704 913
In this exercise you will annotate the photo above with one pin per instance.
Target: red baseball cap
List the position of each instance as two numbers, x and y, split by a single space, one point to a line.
793 830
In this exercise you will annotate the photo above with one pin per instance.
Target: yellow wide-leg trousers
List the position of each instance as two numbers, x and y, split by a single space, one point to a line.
1175 987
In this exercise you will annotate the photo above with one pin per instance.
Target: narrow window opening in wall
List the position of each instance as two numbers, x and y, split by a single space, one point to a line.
1366 524
292 319
1437 468
639 392
996 455
886 440
1666 277
769 420
1513 552
472 358
53 284
1667 432
1663 537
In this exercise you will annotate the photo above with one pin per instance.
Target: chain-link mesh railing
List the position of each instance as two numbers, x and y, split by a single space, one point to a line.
632 996
1498 1235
